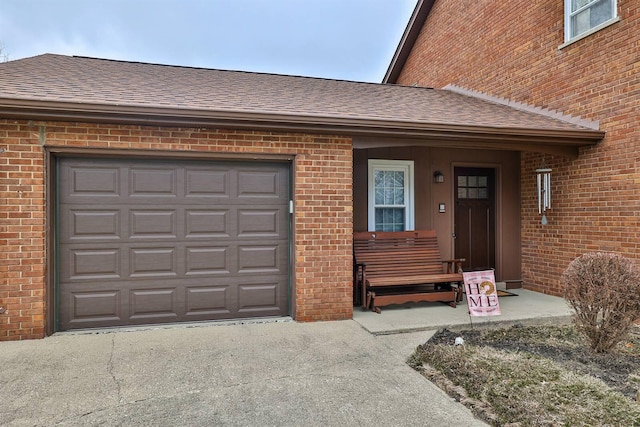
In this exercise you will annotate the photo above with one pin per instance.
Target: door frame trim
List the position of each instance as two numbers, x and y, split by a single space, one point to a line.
497 167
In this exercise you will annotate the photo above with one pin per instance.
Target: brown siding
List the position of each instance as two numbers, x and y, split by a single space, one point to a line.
510 50
428 195
323 208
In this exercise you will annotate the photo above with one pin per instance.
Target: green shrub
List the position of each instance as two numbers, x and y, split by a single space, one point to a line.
604 290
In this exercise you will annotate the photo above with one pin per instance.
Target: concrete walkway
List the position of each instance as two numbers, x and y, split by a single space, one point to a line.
268 374
526 307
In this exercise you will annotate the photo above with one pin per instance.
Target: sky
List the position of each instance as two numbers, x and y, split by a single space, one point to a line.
337 39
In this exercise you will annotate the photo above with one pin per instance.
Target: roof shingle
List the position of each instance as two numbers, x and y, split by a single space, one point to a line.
82 81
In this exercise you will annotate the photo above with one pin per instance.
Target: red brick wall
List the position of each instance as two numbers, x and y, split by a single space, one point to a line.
323 209
510 50
22 225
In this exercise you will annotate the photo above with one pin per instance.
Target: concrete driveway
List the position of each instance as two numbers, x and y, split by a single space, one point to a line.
268 374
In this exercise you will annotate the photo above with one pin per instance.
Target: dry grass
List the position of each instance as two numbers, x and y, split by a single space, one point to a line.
535 376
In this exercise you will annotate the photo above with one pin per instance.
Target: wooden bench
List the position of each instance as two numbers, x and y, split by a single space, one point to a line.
400 267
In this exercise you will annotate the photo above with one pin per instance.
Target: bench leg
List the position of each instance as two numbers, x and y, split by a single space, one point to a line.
460 289
371 302
364 295
366 303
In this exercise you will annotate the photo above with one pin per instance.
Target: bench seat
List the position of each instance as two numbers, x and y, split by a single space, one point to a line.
413 280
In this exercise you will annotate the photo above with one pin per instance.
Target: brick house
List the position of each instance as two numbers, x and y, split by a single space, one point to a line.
138 193
579 58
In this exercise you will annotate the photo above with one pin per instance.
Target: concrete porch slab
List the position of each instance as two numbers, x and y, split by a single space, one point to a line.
525 308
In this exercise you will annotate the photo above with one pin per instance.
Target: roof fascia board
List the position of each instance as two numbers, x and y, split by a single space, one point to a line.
409 37
442 138
60 111
43 110
426 138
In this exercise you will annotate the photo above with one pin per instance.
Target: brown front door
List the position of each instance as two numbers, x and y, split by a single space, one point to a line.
156 241
475 219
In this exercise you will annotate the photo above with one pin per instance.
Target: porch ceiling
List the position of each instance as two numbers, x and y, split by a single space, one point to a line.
57 87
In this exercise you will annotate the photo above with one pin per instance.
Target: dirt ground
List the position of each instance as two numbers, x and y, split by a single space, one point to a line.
564 346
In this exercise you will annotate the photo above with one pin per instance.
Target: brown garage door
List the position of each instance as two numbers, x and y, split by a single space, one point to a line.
156 241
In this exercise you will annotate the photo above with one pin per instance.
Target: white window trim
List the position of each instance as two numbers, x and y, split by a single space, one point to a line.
396 165
567 24
588 33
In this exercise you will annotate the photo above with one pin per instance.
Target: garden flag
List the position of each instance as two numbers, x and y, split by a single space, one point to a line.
482 296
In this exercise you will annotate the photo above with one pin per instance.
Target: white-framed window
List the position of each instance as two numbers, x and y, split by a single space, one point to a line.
584 17
390 195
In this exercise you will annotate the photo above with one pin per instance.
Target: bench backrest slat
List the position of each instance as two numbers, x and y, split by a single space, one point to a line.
398 253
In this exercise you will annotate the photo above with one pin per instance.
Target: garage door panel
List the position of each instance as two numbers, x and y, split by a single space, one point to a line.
83 263
207 183
88 264
204 301
153 223
258 299
258 184
154 262
254 259
264 222
202 260
153 304
144 182
93 224
94 181
96 308
96 304
207 223
155 241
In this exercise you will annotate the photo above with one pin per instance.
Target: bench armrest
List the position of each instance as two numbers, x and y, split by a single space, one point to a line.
454 265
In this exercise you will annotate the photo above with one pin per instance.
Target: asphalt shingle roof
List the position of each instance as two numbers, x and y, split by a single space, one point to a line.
78 81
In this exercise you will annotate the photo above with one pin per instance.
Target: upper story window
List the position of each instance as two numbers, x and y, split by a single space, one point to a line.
583 17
